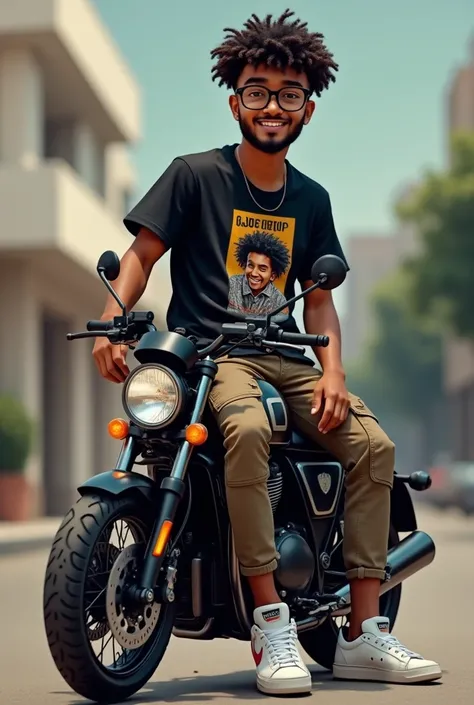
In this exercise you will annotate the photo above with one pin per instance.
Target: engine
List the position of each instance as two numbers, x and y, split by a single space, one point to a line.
297 563
275 485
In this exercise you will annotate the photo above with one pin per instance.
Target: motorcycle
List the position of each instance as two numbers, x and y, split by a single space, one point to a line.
178 573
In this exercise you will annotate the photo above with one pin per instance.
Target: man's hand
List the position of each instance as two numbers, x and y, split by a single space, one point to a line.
111 360
331 389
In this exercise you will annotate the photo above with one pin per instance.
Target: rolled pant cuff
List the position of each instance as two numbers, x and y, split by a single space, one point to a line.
259 570
361 573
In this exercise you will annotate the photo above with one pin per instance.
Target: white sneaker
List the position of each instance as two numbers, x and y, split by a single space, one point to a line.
280 668
378 656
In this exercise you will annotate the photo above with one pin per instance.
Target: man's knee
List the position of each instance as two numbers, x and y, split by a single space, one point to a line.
247 436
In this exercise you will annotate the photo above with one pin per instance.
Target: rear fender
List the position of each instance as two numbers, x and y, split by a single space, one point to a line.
402 509
117 482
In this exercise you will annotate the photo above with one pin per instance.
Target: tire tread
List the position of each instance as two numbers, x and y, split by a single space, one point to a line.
63 604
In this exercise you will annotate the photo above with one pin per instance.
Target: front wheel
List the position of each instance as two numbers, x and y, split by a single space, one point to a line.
320 644
89 563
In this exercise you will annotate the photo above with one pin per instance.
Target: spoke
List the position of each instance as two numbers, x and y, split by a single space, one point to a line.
126 533
112 542
96 598
104 645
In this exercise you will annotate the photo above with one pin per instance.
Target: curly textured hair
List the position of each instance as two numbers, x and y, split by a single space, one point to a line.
276 43
263 244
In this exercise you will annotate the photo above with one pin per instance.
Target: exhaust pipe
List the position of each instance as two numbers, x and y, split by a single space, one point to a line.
411 555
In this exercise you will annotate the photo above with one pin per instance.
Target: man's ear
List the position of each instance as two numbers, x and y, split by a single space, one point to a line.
234 106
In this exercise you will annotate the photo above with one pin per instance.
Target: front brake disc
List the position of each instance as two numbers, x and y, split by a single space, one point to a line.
132 625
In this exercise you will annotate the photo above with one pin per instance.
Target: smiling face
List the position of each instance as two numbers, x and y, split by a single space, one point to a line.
273 127
259 272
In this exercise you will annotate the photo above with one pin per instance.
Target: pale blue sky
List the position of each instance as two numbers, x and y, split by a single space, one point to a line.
376 128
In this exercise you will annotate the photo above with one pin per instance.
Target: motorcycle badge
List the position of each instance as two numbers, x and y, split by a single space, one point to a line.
324 480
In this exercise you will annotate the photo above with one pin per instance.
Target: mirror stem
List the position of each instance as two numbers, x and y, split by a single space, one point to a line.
112 292
320 281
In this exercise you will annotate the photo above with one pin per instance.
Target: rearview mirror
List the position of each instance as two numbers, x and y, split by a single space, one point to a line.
109 265
331 269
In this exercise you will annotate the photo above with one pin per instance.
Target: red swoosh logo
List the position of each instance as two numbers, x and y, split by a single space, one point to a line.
257 657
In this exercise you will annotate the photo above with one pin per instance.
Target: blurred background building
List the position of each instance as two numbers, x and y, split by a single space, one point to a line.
69 108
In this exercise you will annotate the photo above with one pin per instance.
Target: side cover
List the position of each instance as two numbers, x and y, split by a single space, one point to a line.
277 413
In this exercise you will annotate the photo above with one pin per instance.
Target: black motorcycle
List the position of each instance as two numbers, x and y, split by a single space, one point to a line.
144 555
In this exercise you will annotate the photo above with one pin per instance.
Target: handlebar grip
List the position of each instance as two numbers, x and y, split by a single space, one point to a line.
321 341
98 325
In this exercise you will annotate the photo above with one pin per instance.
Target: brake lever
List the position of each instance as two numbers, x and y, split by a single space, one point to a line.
282 346
85 334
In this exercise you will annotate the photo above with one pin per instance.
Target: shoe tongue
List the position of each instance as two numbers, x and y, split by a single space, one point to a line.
272 617
376 626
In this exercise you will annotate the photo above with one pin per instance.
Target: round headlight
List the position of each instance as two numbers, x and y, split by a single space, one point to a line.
152 396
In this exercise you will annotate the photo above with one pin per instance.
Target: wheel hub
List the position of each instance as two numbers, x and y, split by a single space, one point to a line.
131 625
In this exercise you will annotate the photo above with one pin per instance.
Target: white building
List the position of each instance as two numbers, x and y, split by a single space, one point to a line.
69 108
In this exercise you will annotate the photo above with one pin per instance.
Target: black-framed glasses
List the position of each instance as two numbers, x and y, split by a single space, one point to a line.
290 99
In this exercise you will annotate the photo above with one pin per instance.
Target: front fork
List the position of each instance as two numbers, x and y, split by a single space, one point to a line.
172 490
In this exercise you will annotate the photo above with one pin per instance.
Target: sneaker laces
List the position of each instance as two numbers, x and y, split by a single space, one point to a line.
393 643
282 646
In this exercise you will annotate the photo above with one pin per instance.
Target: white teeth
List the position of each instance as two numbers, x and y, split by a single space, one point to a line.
272 124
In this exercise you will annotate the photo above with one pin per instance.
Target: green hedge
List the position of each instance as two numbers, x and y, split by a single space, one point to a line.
16 435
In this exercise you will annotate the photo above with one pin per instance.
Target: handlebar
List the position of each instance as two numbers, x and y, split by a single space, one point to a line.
121 329
99 326
321 341
130 328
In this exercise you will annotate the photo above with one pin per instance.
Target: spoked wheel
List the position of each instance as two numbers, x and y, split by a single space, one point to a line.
105 647
320 644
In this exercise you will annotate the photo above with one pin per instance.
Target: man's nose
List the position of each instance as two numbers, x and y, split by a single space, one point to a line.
273 108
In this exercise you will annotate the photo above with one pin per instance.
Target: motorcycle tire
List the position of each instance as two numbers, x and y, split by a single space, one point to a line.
74 550
320 644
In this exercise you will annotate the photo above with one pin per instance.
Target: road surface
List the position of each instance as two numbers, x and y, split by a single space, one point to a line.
436 619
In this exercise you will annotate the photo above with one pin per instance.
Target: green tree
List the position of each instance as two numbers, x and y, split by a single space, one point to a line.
442 210
401 371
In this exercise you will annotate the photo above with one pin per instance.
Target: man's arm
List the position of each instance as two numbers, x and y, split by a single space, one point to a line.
320 318
158 223
135 269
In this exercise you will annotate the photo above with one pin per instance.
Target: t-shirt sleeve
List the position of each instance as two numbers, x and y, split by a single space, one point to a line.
323 239
166 208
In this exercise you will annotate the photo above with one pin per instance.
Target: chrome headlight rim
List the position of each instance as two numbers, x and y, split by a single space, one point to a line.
180 396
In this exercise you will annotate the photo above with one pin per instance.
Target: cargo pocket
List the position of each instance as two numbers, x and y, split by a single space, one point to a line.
229 391
381 448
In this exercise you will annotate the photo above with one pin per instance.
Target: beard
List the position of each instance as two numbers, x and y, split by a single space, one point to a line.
271 146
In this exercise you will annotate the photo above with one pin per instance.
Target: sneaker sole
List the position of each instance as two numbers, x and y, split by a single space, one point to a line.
423 674
292 686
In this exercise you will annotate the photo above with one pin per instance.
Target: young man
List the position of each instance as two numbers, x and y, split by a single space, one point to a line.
201 207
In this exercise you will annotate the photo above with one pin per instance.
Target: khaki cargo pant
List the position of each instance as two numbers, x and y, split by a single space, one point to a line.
359 444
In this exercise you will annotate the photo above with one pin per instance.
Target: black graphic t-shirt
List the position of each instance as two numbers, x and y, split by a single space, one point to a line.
229 257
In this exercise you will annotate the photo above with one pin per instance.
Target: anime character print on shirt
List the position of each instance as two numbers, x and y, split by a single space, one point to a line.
258 262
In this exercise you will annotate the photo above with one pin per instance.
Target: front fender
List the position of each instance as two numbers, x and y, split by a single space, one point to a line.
402 509
116 482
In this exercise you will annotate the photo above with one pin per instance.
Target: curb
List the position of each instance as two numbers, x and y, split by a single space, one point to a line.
26 545
21 538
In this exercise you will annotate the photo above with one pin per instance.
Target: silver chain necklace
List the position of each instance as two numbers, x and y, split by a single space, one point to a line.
268 210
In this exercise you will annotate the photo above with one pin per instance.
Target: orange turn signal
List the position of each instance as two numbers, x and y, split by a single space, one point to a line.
118 474
196 434
162 538
118 429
